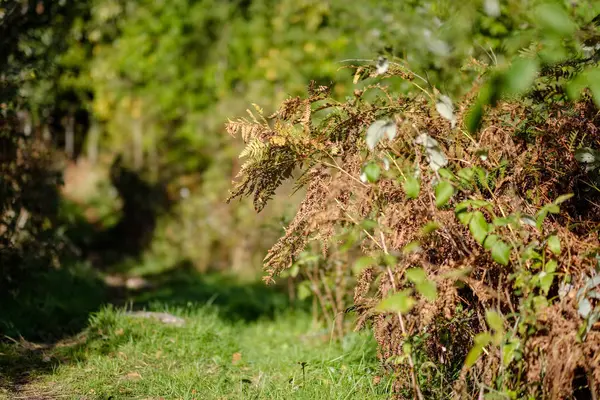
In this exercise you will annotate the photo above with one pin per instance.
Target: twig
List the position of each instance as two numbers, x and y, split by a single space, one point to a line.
343 170
356 223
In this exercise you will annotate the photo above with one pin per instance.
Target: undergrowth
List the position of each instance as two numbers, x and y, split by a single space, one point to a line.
468 230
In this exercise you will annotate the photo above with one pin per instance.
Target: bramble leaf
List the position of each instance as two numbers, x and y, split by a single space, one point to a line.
443 192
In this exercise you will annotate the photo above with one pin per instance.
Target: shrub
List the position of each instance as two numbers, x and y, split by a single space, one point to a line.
475 219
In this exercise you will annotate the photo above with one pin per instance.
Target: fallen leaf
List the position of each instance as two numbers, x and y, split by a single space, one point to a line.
236 358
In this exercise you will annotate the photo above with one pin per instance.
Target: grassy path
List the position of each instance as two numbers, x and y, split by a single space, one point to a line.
225 350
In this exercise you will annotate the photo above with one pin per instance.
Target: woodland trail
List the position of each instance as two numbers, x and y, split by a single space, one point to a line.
236 340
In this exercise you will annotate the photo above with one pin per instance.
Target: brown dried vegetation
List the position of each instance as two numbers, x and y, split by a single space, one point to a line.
529 162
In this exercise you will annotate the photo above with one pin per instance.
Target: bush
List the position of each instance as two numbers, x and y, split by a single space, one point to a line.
479 259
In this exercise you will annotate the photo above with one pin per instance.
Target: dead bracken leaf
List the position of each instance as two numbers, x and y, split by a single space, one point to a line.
236 358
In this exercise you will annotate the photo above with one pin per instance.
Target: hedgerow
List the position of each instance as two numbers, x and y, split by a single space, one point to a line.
467 229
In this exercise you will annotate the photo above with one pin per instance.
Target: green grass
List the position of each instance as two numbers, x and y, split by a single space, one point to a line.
130 358
118 356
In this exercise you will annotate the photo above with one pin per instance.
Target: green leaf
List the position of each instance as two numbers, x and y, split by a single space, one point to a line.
466 174
509 352
501 252
594 85
412 247
490 241
479 227
429 227
503 221
416 275
401 302
462 212
304 291
480 203
554 18
443 192
562 198
362 263
481 340
474 117
428 289
372 171
389 260
495 321
446 174
554 244
520 76
546 277
412 187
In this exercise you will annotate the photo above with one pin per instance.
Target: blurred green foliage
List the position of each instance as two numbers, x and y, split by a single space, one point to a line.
154 81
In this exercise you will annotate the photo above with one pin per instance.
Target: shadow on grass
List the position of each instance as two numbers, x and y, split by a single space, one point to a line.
183 286
54 307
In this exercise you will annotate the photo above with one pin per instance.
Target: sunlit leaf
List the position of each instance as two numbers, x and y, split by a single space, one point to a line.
445 108
509 352
372 171
478 226
443 193
363 177
401 302
416 275
501 252
466 173
585 155
490 241
584 307
412 247
546 277
562 198
481 340
427 289
554 244
378 130
528 220
436 157
494 320
412 187
382 65
492 8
